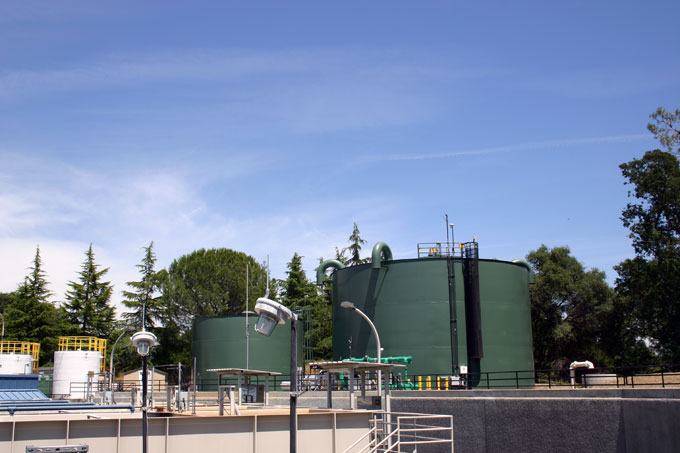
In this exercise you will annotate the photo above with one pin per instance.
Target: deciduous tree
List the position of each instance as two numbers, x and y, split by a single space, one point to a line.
210 283
650 283
569 309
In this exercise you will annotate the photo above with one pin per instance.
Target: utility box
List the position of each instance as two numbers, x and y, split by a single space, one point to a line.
252 393
368 403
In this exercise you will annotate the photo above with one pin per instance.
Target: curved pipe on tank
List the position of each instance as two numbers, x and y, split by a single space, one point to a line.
321 270
380 250
526 264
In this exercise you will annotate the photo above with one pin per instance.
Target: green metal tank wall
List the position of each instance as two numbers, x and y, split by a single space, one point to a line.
219 342
408 301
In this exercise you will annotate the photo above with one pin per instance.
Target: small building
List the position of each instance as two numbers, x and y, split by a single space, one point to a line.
134 377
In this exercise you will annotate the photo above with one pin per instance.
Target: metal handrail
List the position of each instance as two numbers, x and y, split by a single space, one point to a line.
392 432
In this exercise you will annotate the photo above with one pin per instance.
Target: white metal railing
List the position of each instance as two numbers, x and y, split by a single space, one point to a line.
405 434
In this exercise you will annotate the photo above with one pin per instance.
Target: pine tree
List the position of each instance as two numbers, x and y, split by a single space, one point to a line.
296 288
29 316
297 291
88 302
35 284
354 248
143 299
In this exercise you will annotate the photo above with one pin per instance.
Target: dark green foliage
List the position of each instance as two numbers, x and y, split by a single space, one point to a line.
210 283
570 309
353 249
31 317
6 299
297 291
143 298
35 283
649 284
88 302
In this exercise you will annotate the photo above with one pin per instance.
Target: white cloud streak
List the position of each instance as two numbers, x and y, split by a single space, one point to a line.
530 146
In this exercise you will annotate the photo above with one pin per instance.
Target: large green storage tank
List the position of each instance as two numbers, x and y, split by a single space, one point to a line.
419 308
220 342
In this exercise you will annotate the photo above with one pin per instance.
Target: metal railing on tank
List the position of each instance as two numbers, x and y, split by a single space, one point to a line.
22 347
445 249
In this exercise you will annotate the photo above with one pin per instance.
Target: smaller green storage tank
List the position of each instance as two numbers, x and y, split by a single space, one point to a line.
220 342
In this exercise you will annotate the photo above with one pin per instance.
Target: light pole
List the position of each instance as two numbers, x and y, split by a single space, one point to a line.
144 341
350 306
270 314
113 349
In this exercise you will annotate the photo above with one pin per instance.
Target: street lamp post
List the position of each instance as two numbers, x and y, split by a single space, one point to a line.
270 314
350 306
113 349
144 341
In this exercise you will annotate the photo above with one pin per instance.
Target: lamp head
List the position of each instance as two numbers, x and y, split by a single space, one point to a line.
144 341
270 314
347 305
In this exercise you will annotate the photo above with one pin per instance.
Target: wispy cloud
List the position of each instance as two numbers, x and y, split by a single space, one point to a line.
65 207
529 146
299 91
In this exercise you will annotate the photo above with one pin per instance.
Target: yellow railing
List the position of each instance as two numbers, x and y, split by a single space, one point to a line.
22 347
84 344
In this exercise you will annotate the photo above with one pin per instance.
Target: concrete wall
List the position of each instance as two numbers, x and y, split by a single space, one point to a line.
115 433
617 420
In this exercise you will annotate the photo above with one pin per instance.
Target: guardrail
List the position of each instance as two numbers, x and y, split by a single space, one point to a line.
648 376
401 431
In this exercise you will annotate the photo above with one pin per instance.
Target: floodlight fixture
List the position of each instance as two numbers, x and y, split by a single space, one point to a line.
270 314
144 341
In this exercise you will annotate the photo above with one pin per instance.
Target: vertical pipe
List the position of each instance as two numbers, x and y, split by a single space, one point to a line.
193 380
178 400
248 325
293 385
145 432
153 376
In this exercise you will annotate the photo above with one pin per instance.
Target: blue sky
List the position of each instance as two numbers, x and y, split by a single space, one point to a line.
270 127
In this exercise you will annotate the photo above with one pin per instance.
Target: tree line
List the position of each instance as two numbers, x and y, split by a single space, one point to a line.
203 283
576 315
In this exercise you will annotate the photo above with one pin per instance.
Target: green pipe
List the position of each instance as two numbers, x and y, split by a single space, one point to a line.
321 270
526 264
380 249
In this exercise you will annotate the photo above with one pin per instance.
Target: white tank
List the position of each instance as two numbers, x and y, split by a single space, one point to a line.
73 367
16 364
